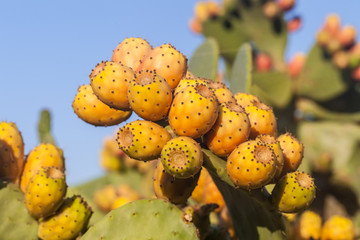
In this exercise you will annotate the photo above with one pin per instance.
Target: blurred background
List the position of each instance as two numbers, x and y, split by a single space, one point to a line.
47 50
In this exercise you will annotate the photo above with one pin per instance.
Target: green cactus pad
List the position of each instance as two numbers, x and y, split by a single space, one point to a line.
143 219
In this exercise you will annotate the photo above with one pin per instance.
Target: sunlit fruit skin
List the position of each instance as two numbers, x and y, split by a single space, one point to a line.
185 82
68 223
332 24
131 51
347 35
338 227
286 5
263 62
175 190
296 65
231 128
150 96
262 119
251 165
182 157
110 81
43 155
120 201
293 192
168 63
45 192
308 226
11 152
142 140
222 92
293 151
194 111
245 99
93 111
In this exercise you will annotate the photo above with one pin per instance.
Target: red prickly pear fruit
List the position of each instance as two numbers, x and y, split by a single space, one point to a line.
93 111
262 119
286 5
150 96
356 74
142 140
293 151
43 155
168 63
294 24
194 111
175 190
251 165
338 227
332 24
341 59
271 9
293 192
131 51
222 92
347 35
185 82
296 64
263 62
231 128
245 99
110 81
11 152
182 157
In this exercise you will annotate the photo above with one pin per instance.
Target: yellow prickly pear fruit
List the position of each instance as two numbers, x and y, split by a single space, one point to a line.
244 99
69 222
105 197
131 51
11 152
251 165
109 161
45 192
189 75
308 226
185 82
293 151
337 227
110 81
93 111
222 92
120 201
43 155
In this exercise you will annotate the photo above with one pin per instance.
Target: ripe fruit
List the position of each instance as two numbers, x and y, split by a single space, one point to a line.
341 59
271 9
337 227
293 151
245 99
91 110
185 82
332 24
222 92
296 64
263 62
104 197
308 226
347 35
286 5
294 24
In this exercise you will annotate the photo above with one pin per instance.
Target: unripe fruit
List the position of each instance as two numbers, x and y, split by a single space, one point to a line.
222 92
194 111
11 152
245 99
308 226
93 111
337 227
182 157
231 128
296 65
110 81
263 62
293 151
142 140
131 51
293 192
150 96
251 165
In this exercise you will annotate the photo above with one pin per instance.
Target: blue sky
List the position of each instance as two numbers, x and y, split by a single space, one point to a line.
48 48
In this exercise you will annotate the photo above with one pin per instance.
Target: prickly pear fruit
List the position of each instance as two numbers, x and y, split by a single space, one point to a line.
110 81
43 155
262 119
11 152
185 82
104 197
222 92
308 226
142 140
182 157
293 192
130 52
245 99
296 65
286 5
109 161
337 227
251 165
190 75
93 111
45 192
120 201
271 9
293 151
332 24
263 62
150 96
194 111
124 195
231 128
294 24
71 219
175 190
168 63
347 35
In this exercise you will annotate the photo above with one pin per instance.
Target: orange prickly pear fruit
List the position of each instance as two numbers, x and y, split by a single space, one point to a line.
294 24
195 25
341 59
131 51
293 151
356 74
263 62
296 64
11 152
286 5
337 227
110 81
167 62
347 35
185 82
222 92
271 9
120 201
307 227
93 111
332 24
245 99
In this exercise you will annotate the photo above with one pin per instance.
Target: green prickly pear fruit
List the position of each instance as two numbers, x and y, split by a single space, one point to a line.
175 190
293 151
244 99
194 111
142 140
150 96
43 155
338 227
168 63
185 82
11 152
110 81
182 157
131 51
69 222
293 192
93 111
251 165
231 128
222 92
45 192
